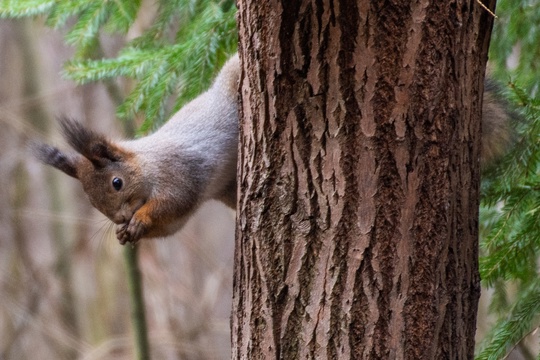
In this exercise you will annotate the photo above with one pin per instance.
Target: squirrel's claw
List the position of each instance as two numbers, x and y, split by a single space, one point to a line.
130 232
121 234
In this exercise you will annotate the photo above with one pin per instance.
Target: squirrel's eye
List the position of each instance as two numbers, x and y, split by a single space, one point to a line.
117 183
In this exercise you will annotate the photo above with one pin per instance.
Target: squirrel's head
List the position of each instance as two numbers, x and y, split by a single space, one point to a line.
109 174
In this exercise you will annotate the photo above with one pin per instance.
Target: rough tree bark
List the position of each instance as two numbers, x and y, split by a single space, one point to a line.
358 177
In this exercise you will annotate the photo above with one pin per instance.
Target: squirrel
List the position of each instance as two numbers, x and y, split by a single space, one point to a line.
150 186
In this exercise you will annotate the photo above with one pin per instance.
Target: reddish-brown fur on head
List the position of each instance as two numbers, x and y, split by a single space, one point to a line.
97 162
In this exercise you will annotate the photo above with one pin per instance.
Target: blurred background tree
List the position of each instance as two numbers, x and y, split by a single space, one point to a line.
62 283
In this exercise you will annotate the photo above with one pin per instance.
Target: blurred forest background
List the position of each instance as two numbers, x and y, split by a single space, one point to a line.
63 291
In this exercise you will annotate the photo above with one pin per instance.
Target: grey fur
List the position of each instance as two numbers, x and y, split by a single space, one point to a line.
198 146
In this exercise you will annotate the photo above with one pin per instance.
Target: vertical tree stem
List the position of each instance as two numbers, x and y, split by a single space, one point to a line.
357 217
138 319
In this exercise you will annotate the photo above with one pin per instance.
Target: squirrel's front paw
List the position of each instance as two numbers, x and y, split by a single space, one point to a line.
121 233
130 232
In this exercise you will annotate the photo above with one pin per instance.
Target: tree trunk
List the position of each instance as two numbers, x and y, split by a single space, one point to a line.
357 217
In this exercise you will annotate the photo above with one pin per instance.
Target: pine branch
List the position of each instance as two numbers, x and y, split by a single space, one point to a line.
511 330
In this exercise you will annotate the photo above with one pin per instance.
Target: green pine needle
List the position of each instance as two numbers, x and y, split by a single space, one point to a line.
172 61
24 8
509 331
510 210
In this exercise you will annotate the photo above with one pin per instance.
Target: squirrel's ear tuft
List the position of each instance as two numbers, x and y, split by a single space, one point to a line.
93 146
52 156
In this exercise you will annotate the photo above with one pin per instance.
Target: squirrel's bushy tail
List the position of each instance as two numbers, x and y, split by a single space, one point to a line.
497 129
